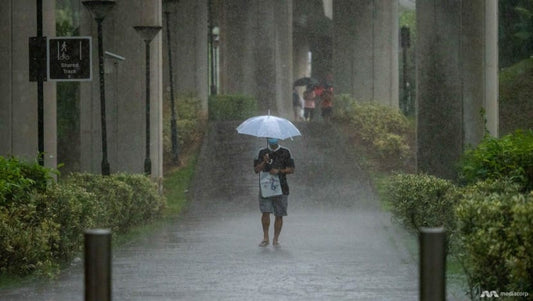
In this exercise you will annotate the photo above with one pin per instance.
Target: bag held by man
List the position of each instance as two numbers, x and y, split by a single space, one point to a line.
269 185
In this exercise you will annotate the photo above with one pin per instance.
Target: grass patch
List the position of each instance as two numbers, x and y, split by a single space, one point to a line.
177 186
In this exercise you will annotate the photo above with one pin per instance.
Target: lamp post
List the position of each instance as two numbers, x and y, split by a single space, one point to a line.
216 41
99 9
405 43
40 90
173 125
147 33
210 28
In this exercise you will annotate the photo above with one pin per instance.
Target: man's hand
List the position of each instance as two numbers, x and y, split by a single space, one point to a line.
286 171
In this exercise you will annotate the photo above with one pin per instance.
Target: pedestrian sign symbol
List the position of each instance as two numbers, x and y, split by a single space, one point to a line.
69 59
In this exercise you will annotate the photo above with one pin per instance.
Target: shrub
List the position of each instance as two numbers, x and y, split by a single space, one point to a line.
422 201
42 222
27 238
188 120
74 210
18 179
231 107
386 133
495 234
146 201
508 157
344 107
124 200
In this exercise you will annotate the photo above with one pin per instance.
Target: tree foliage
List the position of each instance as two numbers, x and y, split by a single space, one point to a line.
515 31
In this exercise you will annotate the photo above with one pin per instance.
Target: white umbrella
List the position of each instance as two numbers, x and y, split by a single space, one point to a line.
268 126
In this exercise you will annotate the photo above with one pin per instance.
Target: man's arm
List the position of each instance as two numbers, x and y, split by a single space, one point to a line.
289 168
260 164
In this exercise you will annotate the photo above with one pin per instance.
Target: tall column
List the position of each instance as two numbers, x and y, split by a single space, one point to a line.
256 52
125 92
321 57
188 19
457 79
18 116
300 52
365 50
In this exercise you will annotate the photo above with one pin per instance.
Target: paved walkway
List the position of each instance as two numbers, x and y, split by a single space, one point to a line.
336 243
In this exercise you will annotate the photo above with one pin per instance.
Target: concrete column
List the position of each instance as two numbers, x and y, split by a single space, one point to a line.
321 57
457 78
18 117
491 67
188 19
301 51
125 92
365 50
256 52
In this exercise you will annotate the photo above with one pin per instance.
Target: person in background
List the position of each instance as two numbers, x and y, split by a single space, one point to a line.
309 103
296 104
274 159
326 104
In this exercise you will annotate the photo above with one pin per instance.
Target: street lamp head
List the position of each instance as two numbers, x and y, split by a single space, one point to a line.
100 8
147 33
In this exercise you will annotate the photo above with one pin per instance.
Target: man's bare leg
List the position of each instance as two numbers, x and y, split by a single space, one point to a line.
278 224
265 221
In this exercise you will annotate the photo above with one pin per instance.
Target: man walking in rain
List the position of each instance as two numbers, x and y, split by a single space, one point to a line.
274 160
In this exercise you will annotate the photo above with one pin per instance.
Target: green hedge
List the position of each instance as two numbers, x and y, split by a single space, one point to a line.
42 222
231 107
18 178
510 156
422 201
384 131
489 226
496 237
189 121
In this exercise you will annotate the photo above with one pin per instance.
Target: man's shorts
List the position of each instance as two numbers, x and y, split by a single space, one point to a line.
276 205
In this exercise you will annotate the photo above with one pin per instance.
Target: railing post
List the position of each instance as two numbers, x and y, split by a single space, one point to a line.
98 265
432 264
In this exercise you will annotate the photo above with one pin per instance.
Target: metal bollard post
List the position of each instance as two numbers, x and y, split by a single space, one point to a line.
98 265
432 264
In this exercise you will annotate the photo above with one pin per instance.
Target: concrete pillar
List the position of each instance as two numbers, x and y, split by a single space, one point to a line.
125 92
256 52
457 78
188 19
365 50
18 116
321 57
301 55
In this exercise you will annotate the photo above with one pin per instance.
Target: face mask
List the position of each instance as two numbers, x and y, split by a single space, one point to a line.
272 141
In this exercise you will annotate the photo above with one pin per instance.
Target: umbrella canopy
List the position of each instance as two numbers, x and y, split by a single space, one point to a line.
268 126
305 81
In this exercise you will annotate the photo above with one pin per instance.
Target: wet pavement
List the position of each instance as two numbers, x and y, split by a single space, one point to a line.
336 243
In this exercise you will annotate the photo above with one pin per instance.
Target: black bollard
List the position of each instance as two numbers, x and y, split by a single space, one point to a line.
432 264
98 265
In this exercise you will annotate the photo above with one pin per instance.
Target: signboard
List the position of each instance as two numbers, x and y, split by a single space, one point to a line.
69 59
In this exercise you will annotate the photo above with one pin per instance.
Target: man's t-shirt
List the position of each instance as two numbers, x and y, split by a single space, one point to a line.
281 158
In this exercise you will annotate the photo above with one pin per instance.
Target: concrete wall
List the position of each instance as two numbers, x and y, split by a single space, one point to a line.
456 79
365 50
256 52
18 114
188 19
125 92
